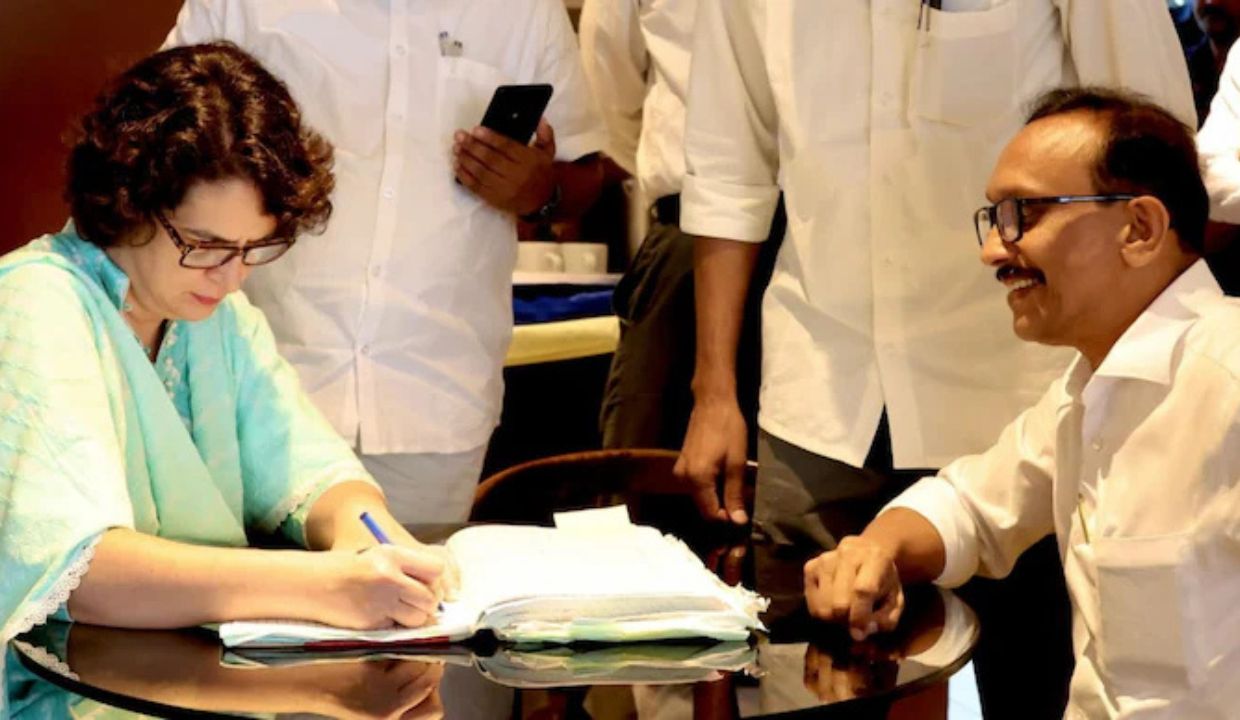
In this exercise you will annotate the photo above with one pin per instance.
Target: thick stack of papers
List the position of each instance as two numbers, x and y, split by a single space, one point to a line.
595 577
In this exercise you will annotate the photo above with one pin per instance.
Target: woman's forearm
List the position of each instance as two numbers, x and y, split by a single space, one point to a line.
334 519
137 580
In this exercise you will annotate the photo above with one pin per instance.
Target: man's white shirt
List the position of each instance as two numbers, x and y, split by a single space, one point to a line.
1136 469
882 135
1219 146
398 317
636 56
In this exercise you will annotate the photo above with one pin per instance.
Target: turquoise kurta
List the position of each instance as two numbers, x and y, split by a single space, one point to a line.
215 437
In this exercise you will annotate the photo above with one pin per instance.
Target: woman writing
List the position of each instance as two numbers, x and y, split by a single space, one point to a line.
146 419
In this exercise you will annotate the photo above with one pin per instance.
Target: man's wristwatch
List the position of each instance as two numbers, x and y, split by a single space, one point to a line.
543 214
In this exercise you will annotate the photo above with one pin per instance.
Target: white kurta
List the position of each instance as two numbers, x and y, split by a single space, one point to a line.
1136 468
882 136
398 317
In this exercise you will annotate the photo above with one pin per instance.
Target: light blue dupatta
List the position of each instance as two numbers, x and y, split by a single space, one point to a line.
91 437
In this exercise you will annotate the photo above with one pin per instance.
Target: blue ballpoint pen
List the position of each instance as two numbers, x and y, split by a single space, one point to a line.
380 536
374 529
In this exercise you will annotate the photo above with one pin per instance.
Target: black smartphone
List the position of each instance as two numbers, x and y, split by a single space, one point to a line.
515 110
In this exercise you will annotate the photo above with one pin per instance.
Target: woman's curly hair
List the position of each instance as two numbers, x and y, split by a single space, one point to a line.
192 114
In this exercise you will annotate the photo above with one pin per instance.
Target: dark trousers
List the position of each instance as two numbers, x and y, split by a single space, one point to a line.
1024 659
810 500
647 399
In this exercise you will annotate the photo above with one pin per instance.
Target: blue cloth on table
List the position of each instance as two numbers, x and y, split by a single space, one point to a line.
546 308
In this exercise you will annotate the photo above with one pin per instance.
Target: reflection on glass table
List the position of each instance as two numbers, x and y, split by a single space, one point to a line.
800 668
61 671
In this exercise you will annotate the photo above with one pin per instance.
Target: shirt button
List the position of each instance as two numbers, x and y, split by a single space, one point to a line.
389 193
366 350
1096 444
399 50
376 270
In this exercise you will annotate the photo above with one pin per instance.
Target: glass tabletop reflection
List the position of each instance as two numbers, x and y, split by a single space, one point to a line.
799 667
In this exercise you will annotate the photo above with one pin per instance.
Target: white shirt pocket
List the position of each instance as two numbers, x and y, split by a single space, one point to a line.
465 89
1145 593
964 67
488 249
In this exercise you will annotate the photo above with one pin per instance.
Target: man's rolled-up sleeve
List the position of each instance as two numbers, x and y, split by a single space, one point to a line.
990 508
731 151
935 499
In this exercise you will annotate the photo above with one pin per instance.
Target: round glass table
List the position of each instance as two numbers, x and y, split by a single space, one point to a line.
798 668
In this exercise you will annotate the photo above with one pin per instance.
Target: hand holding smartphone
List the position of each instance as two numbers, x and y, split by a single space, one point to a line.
515 110
509 172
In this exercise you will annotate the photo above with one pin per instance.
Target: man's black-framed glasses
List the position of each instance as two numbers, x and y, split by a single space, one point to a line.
1008 215
207 255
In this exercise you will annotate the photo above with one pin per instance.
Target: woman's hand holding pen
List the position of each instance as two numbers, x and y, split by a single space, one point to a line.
378 574
382 586
449 582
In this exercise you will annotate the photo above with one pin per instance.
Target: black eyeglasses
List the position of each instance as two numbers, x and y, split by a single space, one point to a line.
207 255
1008 216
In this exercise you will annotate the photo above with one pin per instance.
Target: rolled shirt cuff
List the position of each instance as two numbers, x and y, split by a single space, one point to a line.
935 499
709 208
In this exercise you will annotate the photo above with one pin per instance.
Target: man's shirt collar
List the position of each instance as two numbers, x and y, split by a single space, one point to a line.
1146 350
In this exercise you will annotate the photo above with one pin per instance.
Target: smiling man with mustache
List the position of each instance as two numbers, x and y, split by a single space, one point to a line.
1132 458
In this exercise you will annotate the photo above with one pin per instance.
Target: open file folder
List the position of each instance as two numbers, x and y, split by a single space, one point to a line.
592 578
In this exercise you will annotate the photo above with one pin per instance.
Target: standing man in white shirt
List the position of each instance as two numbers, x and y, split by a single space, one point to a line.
1218 141
883 352
1132 457
399 318
636 55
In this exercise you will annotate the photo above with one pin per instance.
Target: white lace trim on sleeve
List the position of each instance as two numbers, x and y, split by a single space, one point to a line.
59 594
46 659
309 491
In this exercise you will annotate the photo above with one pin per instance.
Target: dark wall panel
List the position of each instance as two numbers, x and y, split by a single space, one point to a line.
55 56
